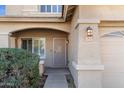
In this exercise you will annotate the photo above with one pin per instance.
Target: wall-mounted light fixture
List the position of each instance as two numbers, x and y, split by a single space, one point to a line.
67 41
89 32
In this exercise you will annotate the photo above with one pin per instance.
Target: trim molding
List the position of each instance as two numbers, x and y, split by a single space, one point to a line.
86 21
30 19
87 67
4 34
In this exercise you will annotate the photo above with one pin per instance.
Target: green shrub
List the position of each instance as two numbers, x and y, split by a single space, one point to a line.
18 68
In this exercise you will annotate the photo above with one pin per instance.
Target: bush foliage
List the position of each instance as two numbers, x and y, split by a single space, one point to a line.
18 68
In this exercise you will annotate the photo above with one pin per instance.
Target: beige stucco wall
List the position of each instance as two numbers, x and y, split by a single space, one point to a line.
49 35
21 10
7 27
112 55
90 60
86 61
89 64
13 10
73 37
73 42
4 40
102 12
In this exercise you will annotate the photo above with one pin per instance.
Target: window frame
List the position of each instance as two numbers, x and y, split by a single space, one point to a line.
39 9
27 43
44 46
39 39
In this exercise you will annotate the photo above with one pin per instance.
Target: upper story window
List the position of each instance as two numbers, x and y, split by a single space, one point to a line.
51 8
2 10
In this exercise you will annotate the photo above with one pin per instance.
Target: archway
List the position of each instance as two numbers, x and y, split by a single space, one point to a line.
50 44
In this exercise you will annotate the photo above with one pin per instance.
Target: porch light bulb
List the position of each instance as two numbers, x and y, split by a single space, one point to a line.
89 32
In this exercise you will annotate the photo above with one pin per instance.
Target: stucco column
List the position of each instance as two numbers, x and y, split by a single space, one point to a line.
12 41
4 40
88 63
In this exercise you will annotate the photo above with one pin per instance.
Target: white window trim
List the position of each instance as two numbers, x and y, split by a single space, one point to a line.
27 39
39 8
35 38
44 46
44 41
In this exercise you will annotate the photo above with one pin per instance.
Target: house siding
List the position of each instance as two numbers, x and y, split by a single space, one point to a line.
73 39
4 40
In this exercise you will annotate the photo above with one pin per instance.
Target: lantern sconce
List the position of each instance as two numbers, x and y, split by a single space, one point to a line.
89 33
67 41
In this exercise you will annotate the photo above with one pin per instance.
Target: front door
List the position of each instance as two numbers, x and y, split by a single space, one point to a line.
59 56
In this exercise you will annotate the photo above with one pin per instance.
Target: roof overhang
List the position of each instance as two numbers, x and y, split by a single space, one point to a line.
68 12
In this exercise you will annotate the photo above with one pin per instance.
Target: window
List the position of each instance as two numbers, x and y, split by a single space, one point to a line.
2 10
42 48
42 8
59 8
54 8
51 8
39 47
27 44
35 45
48 8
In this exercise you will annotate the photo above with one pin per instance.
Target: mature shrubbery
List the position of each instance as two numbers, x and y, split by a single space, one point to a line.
18 68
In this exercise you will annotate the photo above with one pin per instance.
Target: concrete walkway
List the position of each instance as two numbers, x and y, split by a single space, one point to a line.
55 79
